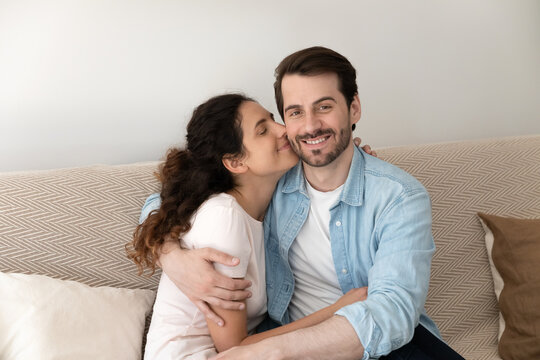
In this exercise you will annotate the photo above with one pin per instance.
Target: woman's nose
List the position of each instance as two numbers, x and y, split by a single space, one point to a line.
280 130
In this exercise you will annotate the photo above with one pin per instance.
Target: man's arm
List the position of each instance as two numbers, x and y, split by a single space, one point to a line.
193 273
398 284
334 338
399 276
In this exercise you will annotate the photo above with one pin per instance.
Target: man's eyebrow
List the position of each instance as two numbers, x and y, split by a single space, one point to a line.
323 99
314 103
291 107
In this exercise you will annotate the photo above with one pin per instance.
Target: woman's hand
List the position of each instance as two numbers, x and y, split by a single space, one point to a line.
193 273
352 296
366 148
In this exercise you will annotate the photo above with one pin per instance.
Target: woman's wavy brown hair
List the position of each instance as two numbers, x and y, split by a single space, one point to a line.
190 176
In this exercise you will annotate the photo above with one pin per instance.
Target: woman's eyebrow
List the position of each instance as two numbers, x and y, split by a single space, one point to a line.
259 123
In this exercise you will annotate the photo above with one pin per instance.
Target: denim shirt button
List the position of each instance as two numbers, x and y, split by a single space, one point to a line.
344 271
338 223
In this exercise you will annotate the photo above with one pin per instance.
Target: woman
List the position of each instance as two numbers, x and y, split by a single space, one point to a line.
215 194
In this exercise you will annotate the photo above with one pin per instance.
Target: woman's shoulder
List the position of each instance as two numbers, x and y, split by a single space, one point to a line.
220 209
219 202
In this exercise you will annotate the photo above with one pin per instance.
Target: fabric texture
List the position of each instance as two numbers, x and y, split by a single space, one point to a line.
516 256
46 318
498 282
178 329
497 176
380 233
315 280
423 346
73 224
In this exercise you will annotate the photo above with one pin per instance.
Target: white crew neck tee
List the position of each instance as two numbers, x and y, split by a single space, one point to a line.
178 329
310 256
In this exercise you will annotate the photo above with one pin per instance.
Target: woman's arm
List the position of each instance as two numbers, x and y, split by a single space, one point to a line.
234 332
317 317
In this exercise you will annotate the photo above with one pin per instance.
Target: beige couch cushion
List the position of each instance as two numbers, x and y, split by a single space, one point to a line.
72 224
496 176
50 319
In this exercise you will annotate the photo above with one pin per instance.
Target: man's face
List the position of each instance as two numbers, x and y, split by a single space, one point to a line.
317 117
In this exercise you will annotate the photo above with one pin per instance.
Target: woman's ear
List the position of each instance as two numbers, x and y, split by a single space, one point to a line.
234 164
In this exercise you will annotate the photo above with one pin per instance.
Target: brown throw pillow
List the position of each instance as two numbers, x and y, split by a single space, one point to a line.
516 255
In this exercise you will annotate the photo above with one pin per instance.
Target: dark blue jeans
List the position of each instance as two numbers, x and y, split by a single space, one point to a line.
423 346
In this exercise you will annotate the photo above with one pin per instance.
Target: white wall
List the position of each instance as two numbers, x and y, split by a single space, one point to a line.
115 81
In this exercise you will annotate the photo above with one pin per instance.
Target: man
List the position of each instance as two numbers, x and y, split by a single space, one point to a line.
339 220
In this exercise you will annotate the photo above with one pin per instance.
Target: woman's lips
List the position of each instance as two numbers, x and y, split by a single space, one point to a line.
285 146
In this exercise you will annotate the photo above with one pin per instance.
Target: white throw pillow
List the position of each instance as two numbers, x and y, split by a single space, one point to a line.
46 318
498 281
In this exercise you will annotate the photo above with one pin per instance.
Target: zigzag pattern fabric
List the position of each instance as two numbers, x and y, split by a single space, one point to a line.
73 224
499 176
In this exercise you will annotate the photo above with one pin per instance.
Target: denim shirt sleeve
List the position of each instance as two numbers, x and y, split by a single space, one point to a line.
153 202
399 278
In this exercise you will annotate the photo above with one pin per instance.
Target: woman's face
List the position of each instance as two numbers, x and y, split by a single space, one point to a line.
267 148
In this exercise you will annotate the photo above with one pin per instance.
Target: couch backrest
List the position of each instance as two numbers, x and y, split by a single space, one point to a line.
73 223
497 176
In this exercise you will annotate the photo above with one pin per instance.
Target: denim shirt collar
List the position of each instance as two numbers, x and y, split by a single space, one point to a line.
353 191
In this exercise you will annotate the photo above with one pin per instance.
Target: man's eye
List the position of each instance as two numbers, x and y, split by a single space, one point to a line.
325 107
294 113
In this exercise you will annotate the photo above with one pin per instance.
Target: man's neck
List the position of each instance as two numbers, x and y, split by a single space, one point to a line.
331 176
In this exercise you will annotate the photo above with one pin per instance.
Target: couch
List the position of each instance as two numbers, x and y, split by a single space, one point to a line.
72 224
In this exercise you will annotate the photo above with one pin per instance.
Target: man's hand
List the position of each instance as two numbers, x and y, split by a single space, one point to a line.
366 148
193 273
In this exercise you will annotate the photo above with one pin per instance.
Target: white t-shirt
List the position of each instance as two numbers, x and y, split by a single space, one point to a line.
316 282
178 329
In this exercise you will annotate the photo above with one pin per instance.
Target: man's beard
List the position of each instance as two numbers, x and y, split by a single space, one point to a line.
343 142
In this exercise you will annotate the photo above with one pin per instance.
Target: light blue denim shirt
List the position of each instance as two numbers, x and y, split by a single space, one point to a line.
381 238
380 232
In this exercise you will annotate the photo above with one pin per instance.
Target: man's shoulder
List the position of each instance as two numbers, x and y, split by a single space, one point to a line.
379 173
152 202
291 180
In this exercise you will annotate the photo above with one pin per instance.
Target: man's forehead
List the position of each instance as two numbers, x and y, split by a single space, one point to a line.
312 87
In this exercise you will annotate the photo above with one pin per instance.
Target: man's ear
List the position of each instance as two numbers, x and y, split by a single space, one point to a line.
234 164
355 110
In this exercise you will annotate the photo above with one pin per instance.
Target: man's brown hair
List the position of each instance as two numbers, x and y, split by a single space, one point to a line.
317 60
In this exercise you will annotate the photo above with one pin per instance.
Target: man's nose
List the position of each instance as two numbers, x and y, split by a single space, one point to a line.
312 123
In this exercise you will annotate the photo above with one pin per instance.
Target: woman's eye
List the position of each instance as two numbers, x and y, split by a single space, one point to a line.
262 132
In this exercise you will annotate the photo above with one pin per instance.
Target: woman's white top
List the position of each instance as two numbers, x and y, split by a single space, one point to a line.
178 329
